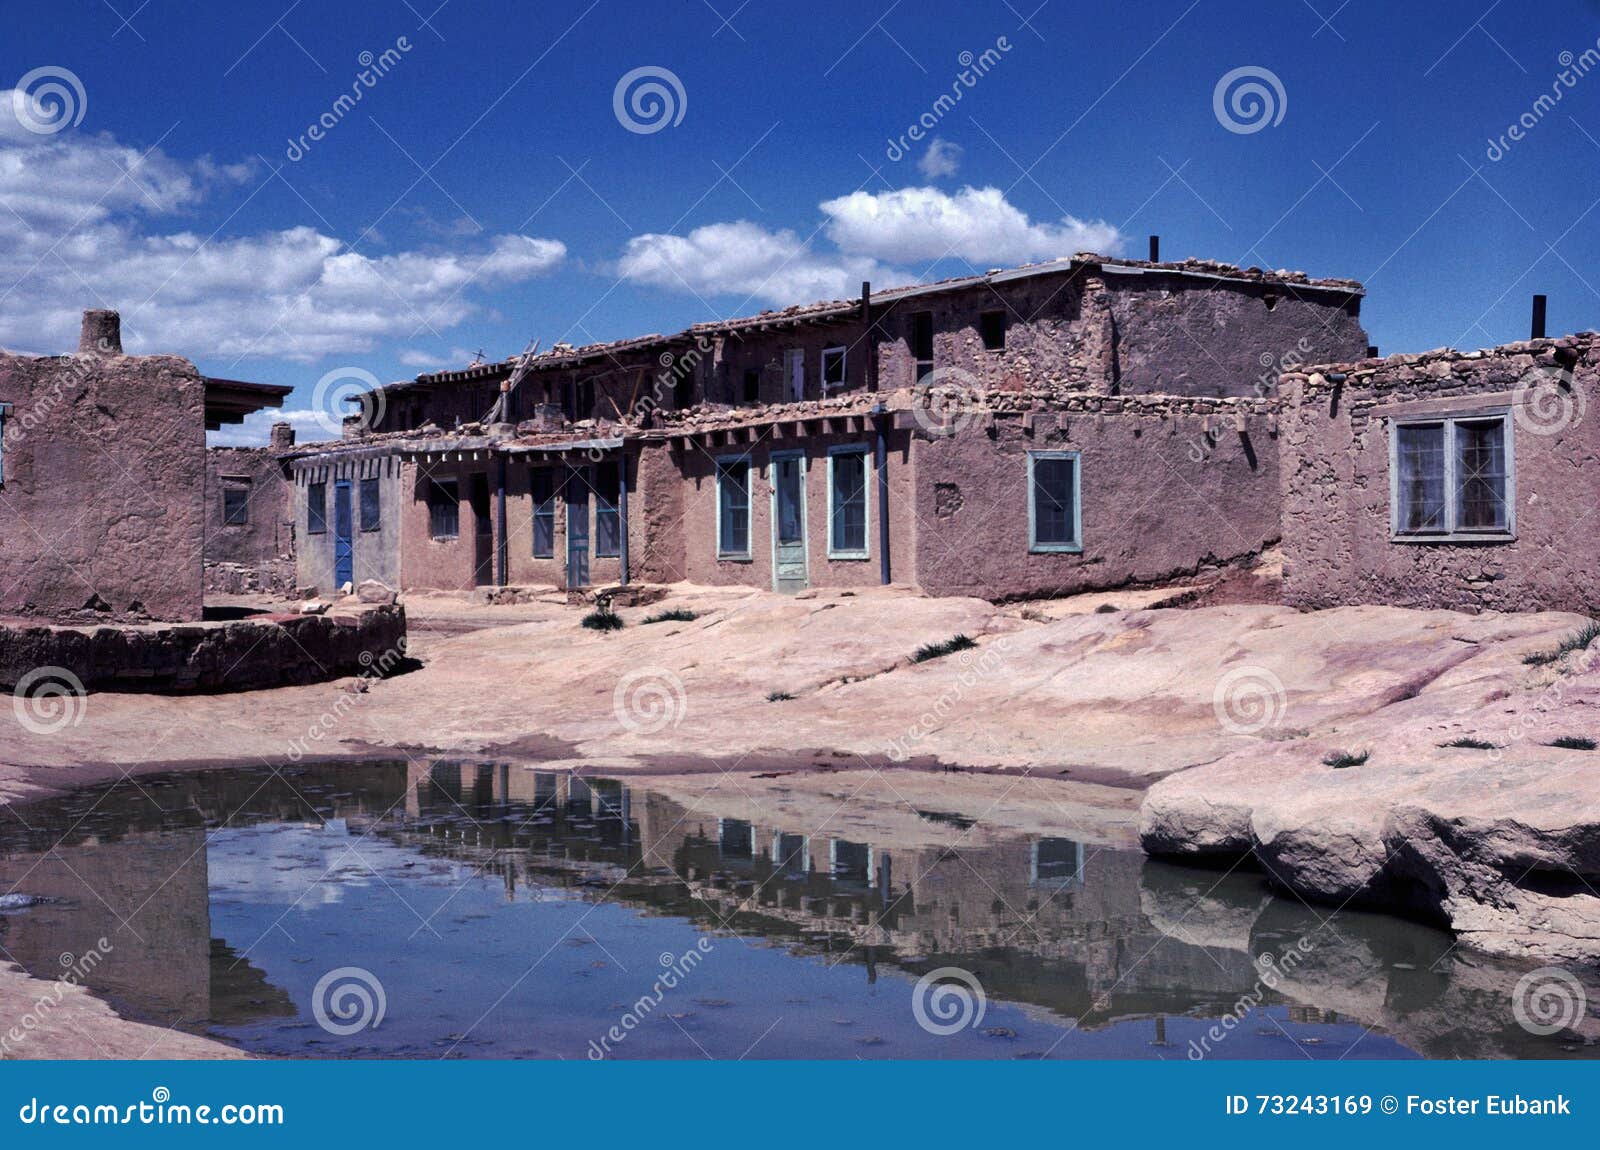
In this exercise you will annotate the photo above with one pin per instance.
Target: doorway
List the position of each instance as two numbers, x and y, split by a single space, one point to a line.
344 555
577 529
789 569
482 532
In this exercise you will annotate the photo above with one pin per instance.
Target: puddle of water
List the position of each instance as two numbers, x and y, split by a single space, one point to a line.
499 912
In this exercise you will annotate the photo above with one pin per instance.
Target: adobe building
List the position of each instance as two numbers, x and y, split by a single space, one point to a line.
249 544
1083 423
103 478
1448 479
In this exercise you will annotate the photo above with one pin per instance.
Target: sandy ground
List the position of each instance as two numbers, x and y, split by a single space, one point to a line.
1059 715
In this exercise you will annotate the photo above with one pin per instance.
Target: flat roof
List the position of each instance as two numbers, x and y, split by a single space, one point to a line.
230 400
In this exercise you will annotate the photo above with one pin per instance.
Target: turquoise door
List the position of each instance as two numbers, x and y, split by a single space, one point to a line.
789 570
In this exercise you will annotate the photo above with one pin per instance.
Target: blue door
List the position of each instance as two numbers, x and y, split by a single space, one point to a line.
344 556
577 529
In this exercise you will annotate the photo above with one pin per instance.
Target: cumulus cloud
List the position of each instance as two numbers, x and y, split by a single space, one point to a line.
86 221
424 360
743 258
940 160
309 427
978 225
865 235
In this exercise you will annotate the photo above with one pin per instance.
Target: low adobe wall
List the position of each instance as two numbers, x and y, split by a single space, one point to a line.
262 651
1336 480
1169 485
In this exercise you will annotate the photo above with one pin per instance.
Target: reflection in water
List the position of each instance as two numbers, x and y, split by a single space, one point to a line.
514 913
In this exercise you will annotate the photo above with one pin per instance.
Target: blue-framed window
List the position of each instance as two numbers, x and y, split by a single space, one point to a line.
847 501
544 513
371 507
1452 479
607 512
1055 520
316 508
733 507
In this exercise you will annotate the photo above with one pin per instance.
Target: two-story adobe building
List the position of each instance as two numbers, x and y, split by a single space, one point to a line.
1081 423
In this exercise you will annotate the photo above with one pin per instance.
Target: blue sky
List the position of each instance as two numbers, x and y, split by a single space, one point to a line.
484 191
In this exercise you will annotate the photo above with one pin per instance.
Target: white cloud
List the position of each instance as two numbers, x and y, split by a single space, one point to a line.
88 222
424 360
940 160
868 235
746 259
978 225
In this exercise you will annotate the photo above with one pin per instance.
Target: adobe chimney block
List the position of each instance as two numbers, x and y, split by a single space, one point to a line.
282 436
101 333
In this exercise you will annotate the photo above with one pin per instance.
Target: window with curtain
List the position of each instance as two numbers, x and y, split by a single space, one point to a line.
544 513
1452 477
847 504
733 508
607 513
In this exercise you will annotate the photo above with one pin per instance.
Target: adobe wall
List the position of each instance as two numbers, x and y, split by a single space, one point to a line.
103 487
1182 336
525 569
1336 481
1168 486
259 553
375 554
441 564
765 352
698 521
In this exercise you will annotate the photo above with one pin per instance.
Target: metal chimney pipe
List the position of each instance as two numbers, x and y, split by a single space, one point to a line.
1155 249
1538 317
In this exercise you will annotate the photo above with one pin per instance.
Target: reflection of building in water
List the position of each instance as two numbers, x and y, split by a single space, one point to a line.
1042 920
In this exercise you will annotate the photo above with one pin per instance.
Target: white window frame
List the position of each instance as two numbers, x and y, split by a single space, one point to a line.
1076 546
844 368
748 554
865 451
1450 534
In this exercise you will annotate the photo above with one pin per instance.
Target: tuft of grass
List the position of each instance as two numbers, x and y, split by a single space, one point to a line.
675 615
1339 760
603 619
779 697
949 647
1572 743
1578 641
1470 744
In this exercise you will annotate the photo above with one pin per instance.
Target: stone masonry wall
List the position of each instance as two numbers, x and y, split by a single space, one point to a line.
1336 480
258 554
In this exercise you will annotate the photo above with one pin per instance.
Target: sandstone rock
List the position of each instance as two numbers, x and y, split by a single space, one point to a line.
372 591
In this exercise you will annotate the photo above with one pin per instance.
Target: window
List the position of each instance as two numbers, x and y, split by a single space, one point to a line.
921 340
371 514
733 508
832 369
316 508
847 502
1451 478
544 513
607 516
1053 503
992 326
444 509
752 385
235 502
